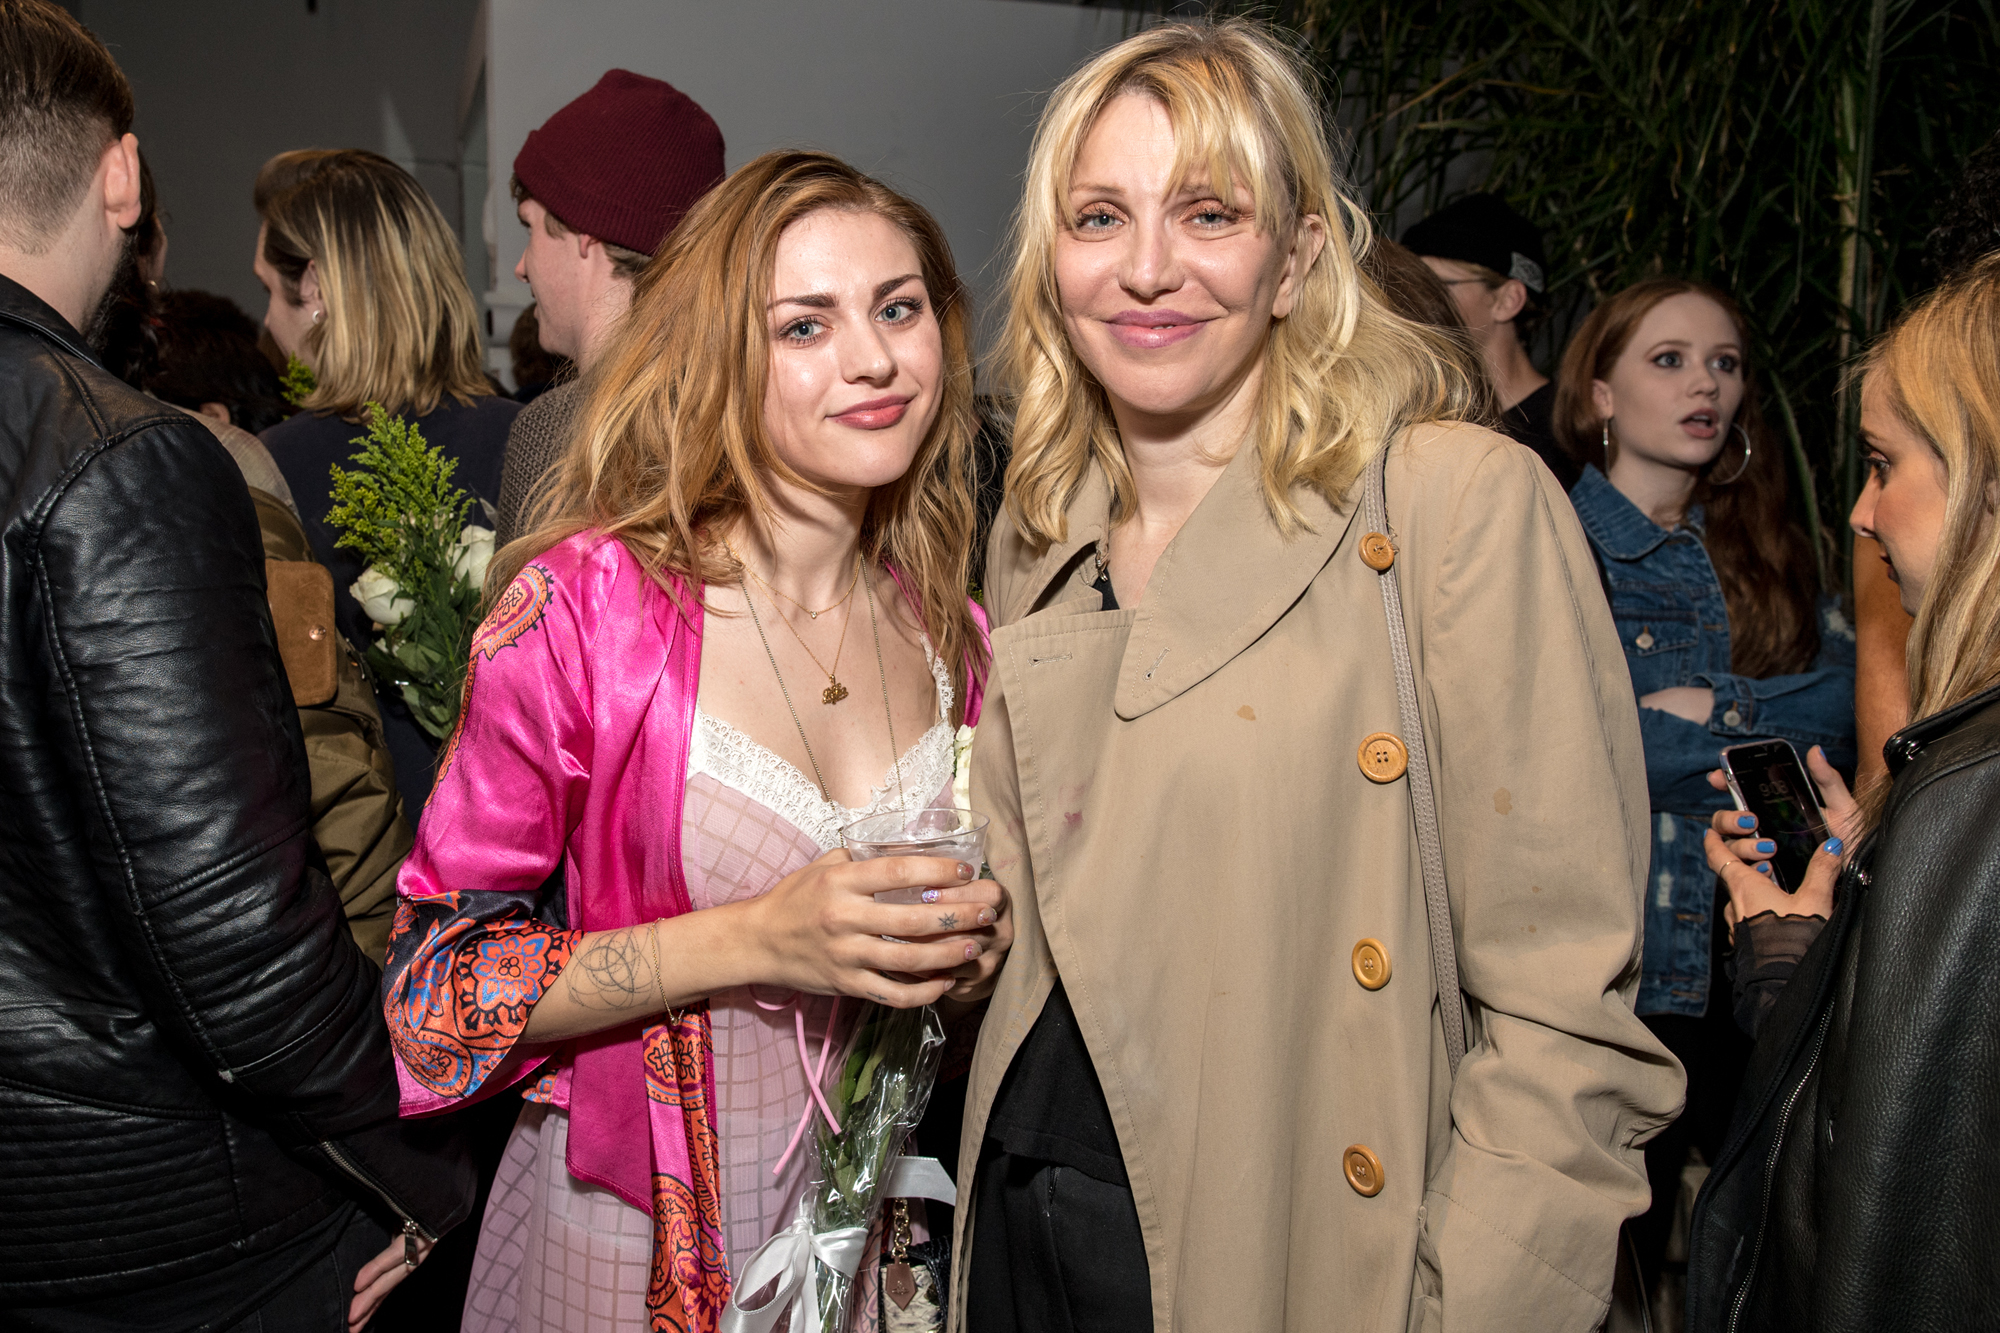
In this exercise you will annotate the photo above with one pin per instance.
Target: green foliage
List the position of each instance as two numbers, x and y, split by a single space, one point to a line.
298 381
400 512
1728 140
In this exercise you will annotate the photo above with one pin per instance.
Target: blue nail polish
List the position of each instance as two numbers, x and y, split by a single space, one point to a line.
1746 821
1833 846
1766 847
1763 867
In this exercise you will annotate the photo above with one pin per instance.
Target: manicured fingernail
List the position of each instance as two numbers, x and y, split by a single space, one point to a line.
986 916
965 871
1763 867
1833 846
932 895
971 952
1767 847
1746 821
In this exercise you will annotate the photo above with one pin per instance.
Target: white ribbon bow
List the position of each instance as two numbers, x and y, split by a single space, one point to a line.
788 1256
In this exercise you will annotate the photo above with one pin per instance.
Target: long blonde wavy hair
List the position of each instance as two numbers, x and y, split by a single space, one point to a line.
1343 374
669 445
1939 369
401 328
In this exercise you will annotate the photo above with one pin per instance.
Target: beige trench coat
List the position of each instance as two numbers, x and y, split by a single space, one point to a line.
1181 819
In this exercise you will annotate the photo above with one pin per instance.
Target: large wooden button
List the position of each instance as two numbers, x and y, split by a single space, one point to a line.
1371 964
1384 757
1377 552
1363 1170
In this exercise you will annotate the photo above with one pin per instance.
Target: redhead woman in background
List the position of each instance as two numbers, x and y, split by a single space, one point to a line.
1216 1088
1716 596
758 504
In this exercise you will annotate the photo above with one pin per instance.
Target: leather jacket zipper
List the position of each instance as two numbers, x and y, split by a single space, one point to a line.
1770 1173
412 1230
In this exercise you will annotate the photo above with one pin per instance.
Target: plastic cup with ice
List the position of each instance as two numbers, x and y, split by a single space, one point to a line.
953 834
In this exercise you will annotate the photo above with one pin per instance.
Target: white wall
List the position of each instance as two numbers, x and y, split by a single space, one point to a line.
936 97
221 85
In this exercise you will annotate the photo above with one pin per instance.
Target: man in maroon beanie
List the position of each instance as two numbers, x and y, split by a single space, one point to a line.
598 187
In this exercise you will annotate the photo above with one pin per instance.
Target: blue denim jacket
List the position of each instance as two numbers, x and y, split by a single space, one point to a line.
1675 628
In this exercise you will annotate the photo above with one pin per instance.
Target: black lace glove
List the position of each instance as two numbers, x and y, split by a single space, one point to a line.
1768 950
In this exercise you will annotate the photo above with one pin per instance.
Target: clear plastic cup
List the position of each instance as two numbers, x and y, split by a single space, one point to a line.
953 834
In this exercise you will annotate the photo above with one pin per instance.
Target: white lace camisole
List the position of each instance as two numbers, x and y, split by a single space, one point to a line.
750 819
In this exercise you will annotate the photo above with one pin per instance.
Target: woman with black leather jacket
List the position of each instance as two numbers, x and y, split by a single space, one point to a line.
1861 1182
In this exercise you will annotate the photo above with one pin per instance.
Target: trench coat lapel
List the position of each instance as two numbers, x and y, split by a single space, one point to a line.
1089 516
1222 582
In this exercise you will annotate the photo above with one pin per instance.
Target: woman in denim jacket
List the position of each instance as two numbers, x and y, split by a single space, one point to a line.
1716 594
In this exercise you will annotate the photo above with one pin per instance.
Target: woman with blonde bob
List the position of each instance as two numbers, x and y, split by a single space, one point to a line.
1856 1191
739 624
368 293
1216 1087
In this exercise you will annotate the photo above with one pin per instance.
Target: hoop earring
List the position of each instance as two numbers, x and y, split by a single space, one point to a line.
1745 436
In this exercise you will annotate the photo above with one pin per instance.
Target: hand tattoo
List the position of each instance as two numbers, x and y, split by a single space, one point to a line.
949 921
612 974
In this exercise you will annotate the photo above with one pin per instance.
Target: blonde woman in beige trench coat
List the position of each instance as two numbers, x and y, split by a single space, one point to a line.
1233 908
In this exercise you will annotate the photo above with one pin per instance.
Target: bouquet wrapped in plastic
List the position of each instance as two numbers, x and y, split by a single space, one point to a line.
877 1095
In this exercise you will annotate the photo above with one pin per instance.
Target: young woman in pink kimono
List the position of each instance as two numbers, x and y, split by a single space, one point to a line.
740 624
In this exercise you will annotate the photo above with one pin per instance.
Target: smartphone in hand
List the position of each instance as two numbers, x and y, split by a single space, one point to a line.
1767 779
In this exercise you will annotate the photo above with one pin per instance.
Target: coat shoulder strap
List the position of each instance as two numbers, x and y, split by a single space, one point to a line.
1430 845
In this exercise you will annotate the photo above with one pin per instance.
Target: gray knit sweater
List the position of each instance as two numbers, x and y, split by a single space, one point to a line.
535 444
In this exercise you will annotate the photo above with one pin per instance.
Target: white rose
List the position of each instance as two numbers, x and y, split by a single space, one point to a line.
961 758
473 553
381 598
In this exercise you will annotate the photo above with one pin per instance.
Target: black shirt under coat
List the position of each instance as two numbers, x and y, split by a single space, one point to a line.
1531 422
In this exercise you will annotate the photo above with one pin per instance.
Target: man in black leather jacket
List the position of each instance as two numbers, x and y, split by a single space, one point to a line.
197 1099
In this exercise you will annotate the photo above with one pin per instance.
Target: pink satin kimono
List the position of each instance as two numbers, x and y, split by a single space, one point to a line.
571 752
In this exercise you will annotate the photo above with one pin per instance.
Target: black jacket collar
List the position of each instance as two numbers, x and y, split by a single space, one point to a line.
20 306
1911 741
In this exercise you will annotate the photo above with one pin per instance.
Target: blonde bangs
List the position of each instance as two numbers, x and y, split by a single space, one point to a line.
1344 374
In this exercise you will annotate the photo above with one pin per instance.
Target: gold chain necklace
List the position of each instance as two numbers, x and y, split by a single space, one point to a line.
895 755
834 691
810 613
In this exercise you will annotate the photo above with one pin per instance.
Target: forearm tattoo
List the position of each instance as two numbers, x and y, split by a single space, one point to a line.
613 974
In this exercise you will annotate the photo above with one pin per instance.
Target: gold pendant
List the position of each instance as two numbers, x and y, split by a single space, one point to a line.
833 693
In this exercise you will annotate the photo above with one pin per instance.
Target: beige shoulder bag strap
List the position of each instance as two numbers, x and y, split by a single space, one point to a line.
1430 847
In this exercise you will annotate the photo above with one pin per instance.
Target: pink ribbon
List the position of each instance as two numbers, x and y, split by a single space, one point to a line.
814 1075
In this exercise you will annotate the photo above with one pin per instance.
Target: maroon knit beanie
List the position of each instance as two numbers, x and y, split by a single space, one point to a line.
624 161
